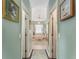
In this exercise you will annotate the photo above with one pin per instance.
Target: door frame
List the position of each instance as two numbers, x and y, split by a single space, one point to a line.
22 10
55 7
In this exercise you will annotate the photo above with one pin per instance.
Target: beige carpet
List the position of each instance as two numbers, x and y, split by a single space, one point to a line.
39 54
43 44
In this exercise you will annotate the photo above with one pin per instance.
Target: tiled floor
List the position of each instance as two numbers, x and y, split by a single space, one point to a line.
39 54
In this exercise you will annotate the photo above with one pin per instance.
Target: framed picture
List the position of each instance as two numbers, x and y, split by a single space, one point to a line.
10 10
67 9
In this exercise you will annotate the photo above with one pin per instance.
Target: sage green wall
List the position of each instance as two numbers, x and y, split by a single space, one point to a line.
27 5
66 44
51 3
10 41
10 38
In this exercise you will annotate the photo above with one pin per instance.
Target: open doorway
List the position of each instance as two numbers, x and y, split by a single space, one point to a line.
39 40
40 35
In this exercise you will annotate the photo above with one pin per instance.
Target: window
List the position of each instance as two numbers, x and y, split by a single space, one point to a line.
38 29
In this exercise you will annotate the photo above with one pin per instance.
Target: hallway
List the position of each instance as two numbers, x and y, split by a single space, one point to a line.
39 54
38 29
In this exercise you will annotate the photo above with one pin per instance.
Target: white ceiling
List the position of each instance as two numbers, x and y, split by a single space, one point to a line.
39 12
37 3
39 9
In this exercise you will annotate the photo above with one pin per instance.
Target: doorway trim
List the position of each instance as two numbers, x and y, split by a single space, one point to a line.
50 16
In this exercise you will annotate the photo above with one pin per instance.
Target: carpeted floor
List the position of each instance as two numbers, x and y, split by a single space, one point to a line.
39 44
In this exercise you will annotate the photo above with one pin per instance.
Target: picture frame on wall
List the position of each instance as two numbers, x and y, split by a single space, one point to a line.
67 9
10 10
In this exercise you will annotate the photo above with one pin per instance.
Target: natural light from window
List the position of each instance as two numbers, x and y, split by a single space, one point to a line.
38 29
